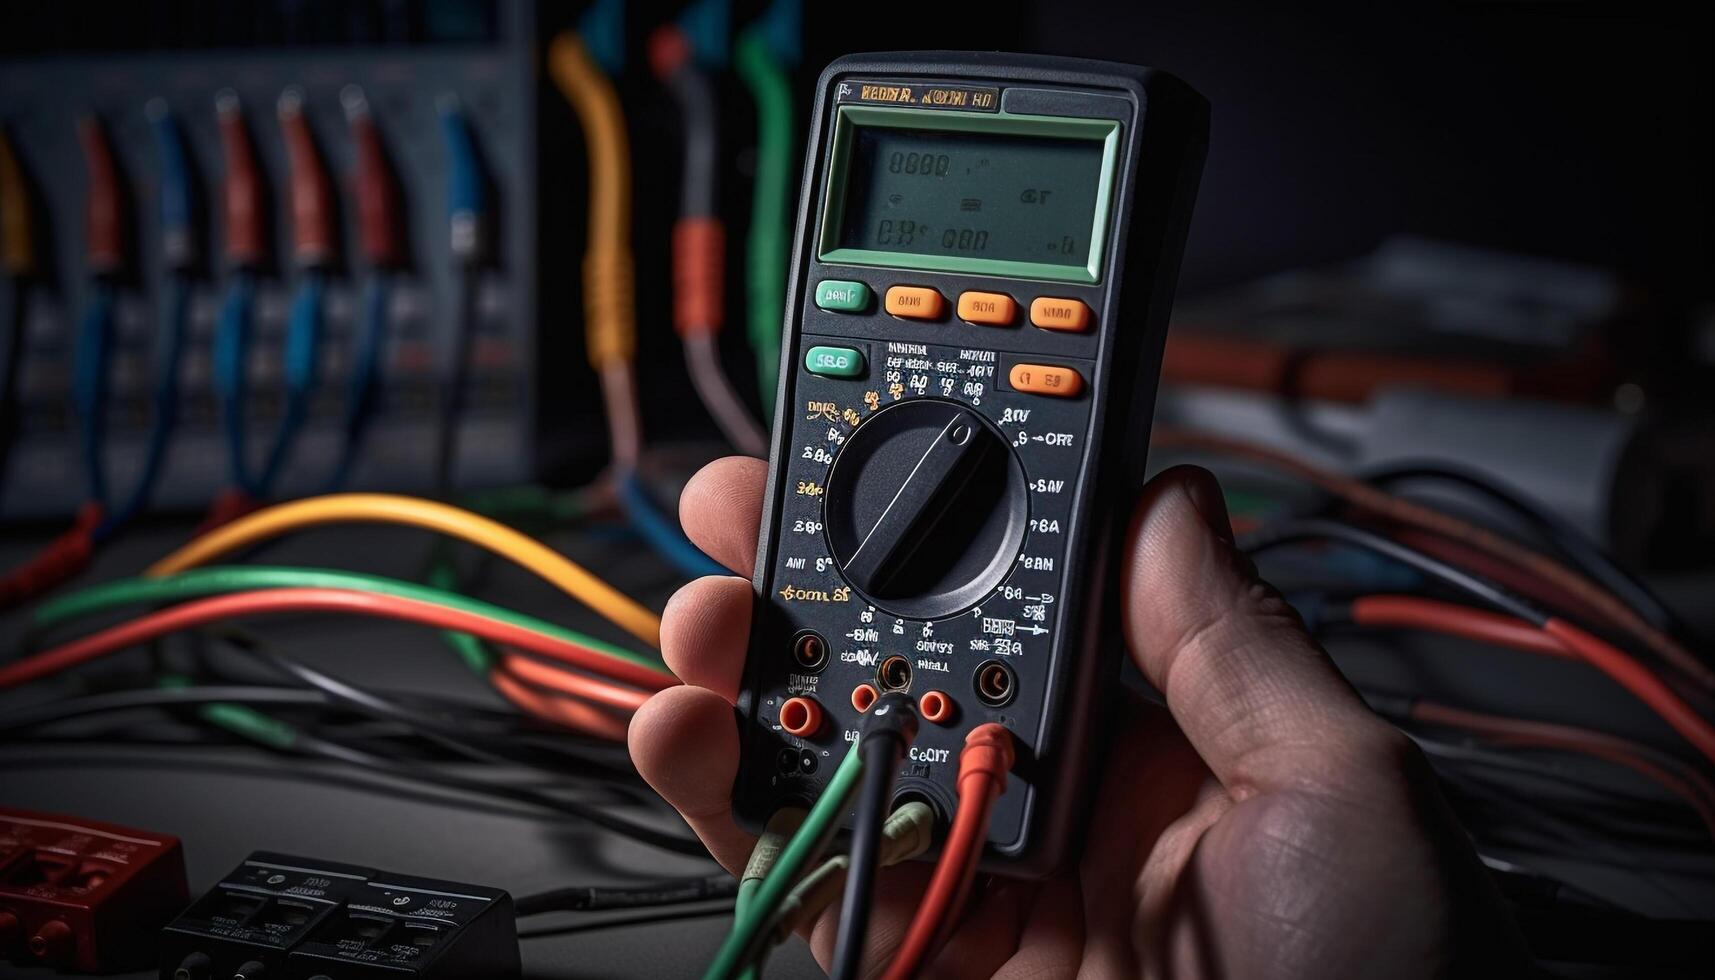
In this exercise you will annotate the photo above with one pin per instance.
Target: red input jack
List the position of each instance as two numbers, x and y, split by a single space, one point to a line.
864 696
937 707
801 717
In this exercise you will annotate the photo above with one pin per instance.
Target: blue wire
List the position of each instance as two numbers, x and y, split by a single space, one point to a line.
365 379
89 386
231 354
302 357
662 535
169 345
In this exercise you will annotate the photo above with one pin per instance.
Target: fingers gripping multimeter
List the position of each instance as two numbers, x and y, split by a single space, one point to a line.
985 258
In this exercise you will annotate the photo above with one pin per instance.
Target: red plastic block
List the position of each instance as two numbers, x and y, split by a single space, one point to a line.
82 895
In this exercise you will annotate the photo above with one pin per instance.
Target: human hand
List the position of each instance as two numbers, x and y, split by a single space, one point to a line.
1266 824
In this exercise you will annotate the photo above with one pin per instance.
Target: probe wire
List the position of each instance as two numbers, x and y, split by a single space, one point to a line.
983 766
750 931
889 728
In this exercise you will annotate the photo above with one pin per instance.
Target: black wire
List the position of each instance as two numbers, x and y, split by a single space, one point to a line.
1578 547
672 914
455 377
11 356
889 727
677 891
625 827
699 120
1298 530
38 715
308 744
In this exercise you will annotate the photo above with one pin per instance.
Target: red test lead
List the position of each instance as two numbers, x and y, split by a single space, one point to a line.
103 205
372 185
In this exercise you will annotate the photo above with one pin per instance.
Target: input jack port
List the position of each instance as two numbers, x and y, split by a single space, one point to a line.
801 717
810 651
864 697
936 707
894 674
996 684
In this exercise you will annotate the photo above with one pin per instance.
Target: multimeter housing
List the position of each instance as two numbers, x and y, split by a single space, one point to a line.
1025 631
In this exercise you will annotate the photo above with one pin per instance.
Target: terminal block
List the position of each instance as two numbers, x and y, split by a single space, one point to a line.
295 918
80 895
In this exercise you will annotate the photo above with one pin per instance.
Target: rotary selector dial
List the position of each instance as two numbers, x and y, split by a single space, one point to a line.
925 509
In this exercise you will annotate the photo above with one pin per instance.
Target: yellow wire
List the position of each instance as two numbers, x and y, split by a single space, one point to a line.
382 508
17 237
610 303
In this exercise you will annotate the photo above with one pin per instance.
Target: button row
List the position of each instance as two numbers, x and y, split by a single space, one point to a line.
1035 379
927 303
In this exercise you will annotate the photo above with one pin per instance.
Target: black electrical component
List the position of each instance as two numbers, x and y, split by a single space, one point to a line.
986 253
277 917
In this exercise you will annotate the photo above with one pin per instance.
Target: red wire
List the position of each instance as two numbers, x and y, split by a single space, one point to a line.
983 765
1571 641
580 686
1636 678
1411 612
1684 781
274 601
567 712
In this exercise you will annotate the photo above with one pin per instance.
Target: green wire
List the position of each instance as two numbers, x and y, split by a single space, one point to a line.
223 579
241 720
766 245
750 927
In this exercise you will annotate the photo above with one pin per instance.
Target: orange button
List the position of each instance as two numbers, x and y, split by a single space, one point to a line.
995 309
1054 313
1046 379
915 302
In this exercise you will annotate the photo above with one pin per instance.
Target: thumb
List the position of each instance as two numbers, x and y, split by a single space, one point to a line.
1257 697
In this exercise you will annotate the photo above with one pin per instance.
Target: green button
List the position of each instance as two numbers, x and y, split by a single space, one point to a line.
842 296
834 362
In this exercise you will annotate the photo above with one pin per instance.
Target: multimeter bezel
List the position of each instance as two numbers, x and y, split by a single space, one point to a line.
1161 141
848 118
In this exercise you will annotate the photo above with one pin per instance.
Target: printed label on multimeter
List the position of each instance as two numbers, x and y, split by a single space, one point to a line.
919 95
952 438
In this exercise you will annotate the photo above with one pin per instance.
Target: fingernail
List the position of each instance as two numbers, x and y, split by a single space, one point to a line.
1210 504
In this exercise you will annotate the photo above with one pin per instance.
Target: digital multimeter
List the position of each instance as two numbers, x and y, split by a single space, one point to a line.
985 258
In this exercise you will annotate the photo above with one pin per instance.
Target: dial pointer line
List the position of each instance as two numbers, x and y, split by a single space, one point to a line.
932 474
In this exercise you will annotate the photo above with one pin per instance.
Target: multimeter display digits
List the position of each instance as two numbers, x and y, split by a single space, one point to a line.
985 259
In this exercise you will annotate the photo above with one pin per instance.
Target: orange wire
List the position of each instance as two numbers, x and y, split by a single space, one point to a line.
983 765
567 712
581 686
1596 599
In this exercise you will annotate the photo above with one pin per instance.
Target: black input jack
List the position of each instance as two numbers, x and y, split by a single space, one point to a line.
894 674
810 651
996 684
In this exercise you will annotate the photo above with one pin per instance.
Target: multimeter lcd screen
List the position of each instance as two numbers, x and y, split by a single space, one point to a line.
972 195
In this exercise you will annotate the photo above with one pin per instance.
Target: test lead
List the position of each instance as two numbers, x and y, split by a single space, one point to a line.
245 248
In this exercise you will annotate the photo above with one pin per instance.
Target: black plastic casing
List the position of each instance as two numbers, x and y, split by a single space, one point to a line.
302 918
1061 714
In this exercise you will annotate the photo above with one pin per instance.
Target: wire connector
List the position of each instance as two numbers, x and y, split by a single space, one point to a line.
467 194
177 193
373 186
314 244
103 200
241 194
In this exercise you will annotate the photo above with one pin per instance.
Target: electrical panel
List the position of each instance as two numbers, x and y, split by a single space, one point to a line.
479 63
